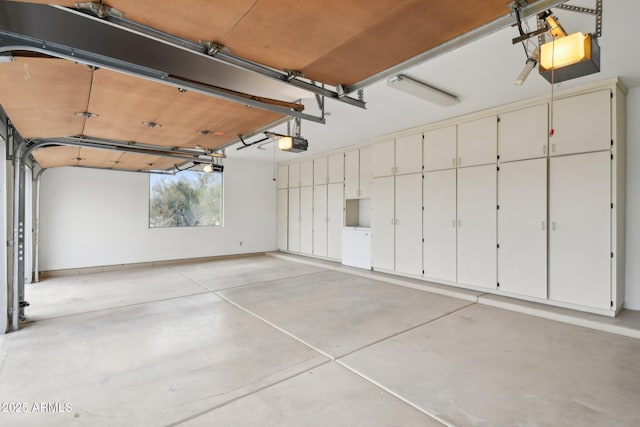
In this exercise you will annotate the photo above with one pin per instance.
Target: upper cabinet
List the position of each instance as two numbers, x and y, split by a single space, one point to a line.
478 142
294 175
397 157
383 159
336 168
283 176
523 134
357 174
440 148
320 171
408 154
366 177
581 123
306 173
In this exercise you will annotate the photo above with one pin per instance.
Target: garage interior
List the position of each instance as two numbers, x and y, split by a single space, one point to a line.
255 321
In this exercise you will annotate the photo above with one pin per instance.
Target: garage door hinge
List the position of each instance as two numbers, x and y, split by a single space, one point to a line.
498 284
611 303
611 205
498 168
498 207
611 254
612 157
612 142
422 240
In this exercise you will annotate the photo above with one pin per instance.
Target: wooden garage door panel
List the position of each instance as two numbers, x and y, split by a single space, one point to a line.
283 35
53 157
43 95
407 31
123 103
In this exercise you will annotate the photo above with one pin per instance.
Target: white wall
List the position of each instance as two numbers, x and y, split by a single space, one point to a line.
95 218
632 290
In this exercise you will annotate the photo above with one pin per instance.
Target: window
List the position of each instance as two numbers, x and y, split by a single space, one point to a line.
187 199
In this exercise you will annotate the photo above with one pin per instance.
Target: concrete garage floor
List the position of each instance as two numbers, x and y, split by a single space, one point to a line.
263 341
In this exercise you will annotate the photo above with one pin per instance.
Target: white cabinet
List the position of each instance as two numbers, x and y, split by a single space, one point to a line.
383 159
522 227
397 157
440 148
477 226
294 220
357 174
366 177
439 225
408 154
408 224
336 168
523 134
478 142
306 173
383 224
306 220
283 176
582 123
580 235
335 220
320 220
320 170
294 175
283 221
351 174
356 245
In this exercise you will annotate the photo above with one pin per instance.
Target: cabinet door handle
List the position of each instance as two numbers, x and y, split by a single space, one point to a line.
543 224
392 221
453 161
553 225
459 161
553 148
392 171
453 223
544 150
396 221
459 223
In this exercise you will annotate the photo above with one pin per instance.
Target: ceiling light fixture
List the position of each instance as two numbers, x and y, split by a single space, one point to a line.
422 90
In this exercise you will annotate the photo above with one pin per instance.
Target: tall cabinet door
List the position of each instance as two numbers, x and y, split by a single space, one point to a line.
294 175
477 226
478 142
580 235
320 171
366 176
408 235
383 158
383 223
582 123
283 176
408 154
306 220
335 221
439 226
320 218
335 168
352 174
294 219
522 227
283 219
440 148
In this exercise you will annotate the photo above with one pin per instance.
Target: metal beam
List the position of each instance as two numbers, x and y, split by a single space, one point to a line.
17 283
466 38
52 31
225 56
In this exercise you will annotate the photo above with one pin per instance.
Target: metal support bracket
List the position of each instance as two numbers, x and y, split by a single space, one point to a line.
597 12
100 10
214 48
